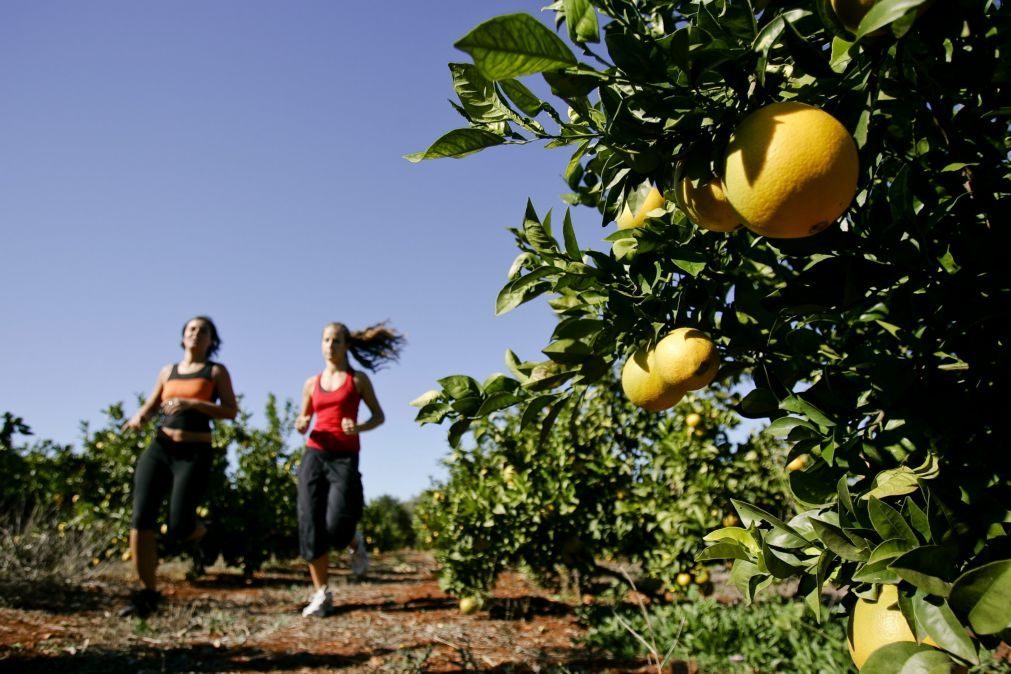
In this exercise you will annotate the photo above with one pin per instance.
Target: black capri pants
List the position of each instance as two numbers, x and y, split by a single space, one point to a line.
330 501
182 468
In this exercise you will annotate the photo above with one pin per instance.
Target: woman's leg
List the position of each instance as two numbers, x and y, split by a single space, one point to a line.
151 480
344 500
191 471
312 504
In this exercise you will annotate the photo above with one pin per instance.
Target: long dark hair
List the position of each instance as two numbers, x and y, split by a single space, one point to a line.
215 338
373 347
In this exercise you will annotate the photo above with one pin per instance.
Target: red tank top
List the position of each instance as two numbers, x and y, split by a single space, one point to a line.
330 407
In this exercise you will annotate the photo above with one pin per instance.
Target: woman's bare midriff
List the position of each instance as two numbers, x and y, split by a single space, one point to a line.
179 435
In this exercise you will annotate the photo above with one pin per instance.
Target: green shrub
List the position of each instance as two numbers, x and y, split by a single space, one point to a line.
387 525
775 635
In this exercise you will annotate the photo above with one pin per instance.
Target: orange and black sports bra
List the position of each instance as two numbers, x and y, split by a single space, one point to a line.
199 385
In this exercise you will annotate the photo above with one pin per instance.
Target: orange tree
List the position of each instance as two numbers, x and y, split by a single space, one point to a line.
867 327
250 509
609 481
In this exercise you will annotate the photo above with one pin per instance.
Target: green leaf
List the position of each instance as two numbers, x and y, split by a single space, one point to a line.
567 351
735 534
884 13
778 567
808 58
534 409
724 550
537 234
758 404
498 382
460 386
782 427
983 596
569 236
692 262
787 537
918 519
514 45
496 402
426 398
433 413
795 403
458 143
890 549
523 289
877 573
836 540
928 568
524 99
457 430
888 522
939 622
477 94
581 20
893 482
906 657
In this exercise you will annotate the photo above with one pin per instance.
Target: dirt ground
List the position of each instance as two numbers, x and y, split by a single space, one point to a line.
395 620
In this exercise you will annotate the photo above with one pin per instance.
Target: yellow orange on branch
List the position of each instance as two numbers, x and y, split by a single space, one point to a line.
652 201
687 359
790 170
706 205
874 624
642 384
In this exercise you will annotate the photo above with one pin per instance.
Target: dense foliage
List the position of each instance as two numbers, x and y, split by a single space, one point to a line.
250 506
610 481
874 347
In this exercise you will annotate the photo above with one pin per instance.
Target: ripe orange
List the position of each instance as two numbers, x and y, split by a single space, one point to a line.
706 205
643 386
876 624
790 170
798 463
653 201
687 359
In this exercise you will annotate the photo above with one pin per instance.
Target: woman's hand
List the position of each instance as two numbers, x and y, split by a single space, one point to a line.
175 405
349 426
134 423
302 423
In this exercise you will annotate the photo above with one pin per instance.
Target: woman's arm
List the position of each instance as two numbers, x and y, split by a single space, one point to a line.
225 408
368 395
305 415
137 420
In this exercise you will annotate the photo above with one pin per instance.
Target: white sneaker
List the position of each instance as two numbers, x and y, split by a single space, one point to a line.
319 604
359 556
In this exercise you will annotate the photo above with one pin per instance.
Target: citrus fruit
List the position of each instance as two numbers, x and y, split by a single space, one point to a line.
683 579
874 624
693 420
653 201
706 205
470 604
798 463
790 170
643 386
687 359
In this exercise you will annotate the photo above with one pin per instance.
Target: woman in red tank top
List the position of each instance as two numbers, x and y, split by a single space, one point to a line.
330 498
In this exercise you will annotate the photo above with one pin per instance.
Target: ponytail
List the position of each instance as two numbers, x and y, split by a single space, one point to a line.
375 346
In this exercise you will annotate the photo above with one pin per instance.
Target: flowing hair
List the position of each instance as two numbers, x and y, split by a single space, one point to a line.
373 347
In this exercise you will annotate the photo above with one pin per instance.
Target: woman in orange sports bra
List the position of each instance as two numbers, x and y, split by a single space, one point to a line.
177 464
330 498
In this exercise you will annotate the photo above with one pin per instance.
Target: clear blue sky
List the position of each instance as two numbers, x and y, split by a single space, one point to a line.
243 159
